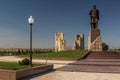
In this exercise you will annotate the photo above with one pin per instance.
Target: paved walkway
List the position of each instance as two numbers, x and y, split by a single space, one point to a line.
63 75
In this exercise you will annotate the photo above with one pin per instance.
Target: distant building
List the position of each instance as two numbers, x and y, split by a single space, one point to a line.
60 43
78 44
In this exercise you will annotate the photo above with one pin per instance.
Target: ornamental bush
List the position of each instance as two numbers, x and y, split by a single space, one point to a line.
25 61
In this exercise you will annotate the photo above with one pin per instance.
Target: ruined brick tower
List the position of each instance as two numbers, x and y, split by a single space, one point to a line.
78 44
60 43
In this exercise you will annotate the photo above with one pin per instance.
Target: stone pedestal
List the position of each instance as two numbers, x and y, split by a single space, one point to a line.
94 40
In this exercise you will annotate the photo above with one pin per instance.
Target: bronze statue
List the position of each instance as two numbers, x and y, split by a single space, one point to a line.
94 17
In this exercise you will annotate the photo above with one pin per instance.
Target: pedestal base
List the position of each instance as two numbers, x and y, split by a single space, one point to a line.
94 40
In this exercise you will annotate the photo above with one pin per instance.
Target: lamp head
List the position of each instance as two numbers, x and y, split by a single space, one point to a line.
31 20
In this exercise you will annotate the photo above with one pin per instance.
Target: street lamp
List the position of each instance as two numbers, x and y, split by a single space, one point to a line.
31 21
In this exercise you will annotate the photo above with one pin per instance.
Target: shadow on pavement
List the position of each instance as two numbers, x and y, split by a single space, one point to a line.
36 75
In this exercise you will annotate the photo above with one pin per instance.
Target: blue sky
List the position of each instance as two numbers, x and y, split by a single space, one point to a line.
68 16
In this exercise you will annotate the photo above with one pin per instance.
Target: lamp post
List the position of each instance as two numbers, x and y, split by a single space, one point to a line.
31 21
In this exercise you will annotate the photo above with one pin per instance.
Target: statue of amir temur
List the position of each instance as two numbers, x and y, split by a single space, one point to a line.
94 17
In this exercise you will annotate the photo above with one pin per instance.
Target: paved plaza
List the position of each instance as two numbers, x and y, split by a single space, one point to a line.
63 74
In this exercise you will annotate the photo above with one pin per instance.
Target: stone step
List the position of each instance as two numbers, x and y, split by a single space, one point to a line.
87 68
96 63
103 55
100 60
93 65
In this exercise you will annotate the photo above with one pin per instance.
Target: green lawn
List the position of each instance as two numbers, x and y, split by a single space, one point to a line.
63 54
14 66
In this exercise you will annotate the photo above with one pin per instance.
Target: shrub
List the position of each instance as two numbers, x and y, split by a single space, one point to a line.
25 61
105 47
18 52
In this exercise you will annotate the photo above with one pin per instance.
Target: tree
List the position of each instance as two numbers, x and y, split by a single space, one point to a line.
18 52
105 47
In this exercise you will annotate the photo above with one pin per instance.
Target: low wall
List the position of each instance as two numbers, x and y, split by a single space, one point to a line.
16 75
7 75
